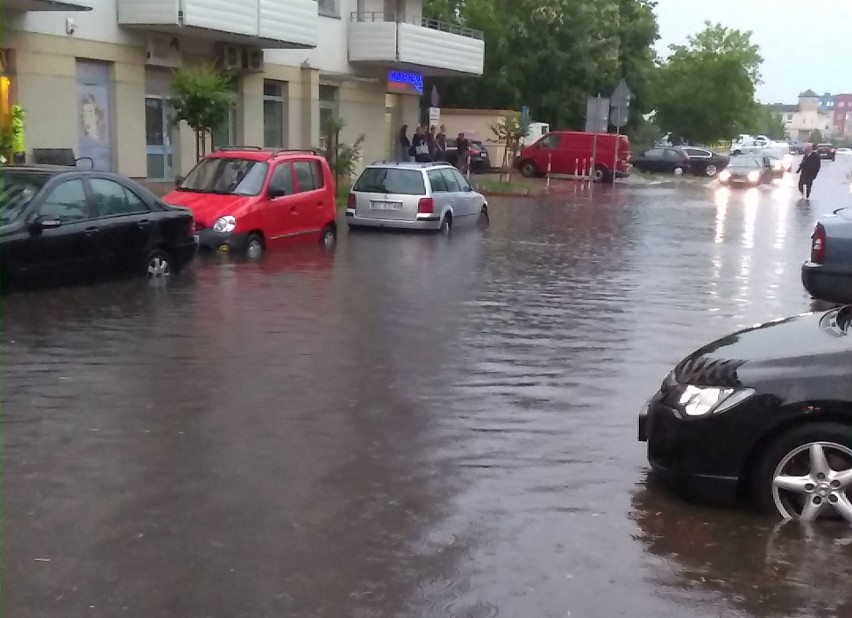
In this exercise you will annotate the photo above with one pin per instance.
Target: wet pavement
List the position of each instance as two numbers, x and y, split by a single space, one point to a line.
413 426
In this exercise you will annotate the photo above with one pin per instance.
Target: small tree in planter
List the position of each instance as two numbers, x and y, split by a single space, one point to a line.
202 99
343 159
510 130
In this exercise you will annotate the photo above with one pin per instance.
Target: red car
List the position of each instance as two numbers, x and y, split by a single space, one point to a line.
568 152
246 200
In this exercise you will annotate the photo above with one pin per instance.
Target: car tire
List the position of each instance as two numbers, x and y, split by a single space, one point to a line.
446 225
678 171
328 237
159 264
711 171
793 456
484 219
601 174
254 247
529 169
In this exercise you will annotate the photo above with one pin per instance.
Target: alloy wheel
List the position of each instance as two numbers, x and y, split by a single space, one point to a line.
159 267
711 170
813 481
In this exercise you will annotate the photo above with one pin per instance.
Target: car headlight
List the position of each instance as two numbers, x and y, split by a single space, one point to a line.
704 400
754 176
724 176
225 224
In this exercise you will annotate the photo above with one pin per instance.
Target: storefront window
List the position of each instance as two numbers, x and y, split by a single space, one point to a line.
329 108
274 113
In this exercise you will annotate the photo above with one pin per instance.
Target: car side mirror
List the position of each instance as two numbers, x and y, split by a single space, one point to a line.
179 180
276 192
44 223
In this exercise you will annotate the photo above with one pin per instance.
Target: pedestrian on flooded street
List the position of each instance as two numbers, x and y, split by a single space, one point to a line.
463 153
404 145
420 146
808 171
441 142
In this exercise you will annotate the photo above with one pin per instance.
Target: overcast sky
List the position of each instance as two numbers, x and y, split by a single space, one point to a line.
804 43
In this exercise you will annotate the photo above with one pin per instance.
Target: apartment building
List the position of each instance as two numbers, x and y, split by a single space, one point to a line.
95 75
802 119
842 118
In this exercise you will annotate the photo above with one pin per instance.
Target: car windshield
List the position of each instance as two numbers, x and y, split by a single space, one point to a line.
17 189
226 176
744 163
391 180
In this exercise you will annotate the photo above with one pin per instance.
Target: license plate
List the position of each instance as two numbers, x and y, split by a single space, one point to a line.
386 205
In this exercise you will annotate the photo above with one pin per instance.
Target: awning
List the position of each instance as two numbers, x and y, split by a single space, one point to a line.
46 5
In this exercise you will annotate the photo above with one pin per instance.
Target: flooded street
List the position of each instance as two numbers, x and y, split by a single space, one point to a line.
413 426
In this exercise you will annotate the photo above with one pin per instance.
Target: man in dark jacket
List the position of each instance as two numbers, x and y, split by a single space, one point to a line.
808 171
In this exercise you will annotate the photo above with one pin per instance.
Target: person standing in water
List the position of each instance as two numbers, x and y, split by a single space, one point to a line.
808 171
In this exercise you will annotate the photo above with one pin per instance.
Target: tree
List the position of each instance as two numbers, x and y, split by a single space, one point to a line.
509 131
766 122
815 137
343 159
551 54
705 90
202 99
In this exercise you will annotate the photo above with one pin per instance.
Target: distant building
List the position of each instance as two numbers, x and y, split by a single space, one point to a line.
810 114
842 115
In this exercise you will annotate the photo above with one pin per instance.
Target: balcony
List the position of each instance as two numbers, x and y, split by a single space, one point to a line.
47 5
417 44
283 24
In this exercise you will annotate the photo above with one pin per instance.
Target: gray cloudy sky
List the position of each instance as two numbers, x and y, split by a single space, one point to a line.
804 43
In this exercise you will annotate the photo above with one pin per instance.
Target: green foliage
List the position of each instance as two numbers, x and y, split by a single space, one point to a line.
509 131
705 90
202 98
816 137
765 122
343 159
11 132
552 54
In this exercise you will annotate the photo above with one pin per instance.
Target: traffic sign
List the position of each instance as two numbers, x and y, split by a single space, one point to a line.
621 96
619 116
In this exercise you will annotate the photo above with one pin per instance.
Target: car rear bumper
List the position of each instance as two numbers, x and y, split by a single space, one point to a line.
184 253
423 222
826 285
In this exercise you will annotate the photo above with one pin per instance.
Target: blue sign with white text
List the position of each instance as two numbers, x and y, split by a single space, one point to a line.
404 80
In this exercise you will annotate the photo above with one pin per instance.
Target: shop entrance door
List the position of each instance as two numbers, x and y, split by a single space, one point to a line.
158 139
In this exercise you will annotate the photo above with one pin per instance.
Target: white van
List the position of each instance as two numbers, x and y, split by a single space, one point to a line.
536 130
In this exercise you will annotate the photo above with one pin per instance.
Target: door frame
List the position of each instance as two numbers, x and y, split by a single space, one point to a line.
166 150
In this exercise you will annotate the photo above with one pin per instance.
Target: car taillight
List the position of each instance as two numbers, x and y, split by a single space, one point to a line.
350 201
426 206
818 244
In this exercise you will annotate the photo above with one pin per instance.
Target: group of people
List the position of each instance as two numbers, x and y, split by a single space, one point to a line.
430 144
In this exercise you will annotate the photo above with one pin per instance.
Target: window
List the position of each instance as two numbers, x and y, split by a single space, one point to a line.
113 199
656 153
549 142
67 202
17 191
282 180
698 153
274 113
308 177
438 182
328 104
671 154
789 116
462 182
328 8
451 180
390 180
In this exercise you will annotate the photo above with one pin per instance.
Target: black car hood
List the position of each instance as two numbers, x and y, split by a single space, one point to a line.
796 347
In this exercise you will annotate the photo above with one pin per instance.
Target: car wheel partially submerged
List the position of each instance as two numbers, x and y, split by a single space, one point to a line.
711 170
254 247
328 238
807 474
158 265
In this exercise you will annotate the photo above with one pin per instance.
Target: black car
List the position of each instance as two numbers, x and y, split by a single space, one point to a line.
60 224
826 151
748 171
479 159
681 160
763 415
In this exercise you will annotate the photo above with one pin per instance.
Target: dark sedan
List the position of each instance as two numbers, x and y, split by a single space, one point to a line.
827 275
479 158
681 160
763 415
826 151
748 171
63 225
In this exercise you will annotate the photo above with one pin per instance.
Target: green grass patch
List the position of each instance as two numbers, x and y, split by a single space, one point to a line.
517 185
342 194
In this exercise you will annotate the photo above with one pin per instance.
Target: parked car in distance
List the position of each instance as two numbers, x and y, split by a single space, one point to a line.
827 275
681 160
414 196
564 152
843 152
747 171
763 415
479 159
63 225
248 199
826 151
748 146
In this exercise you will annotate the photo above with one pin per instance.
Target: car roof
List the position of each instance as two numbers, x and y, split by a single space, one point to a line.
410 165
256 153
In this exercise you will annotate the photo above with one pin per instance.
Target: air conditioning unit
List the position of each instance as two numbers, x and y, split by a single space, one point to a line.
163 51
253 60
229 57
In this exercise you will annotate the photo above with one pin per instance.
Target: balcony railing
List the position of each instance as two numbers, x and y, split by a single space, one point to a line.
423 22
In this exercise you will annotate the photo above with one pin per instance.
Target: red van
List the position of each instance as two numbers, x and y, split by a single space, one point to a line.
246 200
568 151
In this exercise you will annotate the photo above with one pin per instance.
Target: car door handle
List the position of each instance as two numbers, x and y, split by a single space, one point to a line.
293 209
143 224
91 231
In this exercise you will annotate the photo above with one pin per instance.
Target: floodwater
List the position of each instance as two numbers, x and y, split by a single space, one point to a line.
414 426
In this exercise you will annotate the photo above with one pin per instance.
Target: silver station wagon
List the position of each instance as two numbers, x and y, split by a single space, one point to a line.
414 196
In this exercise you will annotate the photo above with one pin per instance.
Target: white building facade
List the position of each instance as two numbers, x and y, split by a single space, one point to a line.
95 75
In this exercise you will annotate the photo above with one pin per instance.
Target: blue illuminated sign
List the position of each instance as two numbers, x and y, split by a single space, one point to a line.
403 80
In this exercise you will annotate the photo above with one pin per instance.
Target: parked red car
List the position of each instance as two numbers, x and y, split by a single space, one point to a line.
568 151
246 200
